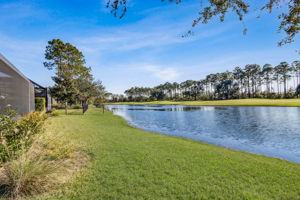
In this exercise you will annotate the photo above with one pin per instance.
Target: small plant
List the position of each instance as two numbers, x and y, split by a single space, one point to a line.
54 113
50 161
17 135
33 163
58 106
29 174
40 104
76 106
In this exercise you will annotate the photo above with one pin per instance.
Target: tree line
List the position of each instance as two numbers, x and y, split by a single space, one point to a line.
74 83
252 81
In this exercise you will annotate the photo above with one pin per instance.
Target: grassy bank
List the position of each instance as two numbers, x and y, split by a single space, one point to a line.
128 163
235 102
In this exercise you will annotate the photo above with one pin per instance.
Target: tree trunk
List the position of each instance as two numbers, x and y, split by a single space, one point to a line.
278 91
284 87
249 93
82 105
66 108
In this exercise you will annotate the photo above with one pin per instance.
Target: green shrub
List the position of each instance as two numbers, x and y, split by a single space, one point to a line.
58 106
291 94
17 135
40 104
76 106
50 161
54 113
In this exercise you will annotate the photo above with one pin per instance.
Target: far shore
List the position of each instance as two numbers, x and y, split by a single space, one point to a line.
235 102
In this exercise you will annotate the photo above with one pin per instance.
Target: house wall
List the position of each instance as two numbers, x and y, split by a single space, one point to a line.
16 90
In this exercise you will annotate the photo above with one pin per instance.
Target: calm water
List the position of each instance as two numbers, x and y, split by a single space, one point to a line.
271 131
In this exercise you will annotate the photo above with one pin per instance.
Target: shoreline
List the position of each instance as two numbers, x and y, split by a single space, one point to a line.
205 142
235 102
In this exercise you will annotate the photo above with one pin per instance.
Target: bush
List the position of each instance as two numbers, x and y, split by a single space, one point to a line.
34 163
17 135
50 161
40 104
76 106
291 94
54 113
29 174
58 106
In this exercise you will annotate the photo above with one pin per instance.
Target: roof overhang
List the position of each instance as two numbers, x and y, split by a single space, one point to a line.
2 58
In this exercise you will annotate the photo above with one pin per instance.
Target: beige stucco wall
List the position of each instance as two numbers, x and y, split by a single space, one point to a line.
15 89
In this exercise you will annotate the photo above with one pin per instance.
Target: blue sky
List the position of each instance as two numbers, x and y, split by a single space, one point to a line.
143 49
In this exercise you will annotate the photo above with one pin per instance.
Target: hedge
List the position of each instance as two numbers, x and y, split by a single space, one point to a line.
40 104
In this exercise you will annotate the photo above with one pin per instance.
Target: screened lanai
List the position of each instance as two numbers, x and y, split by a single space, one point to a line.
16 91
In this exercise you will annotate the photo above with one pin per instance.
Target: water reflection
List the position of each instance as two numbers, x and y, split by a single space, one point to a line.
165 108
271 131
187 108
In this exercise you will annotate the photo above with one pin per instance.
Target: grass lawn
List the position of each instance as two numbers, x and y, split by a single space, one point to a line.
235 102
128 163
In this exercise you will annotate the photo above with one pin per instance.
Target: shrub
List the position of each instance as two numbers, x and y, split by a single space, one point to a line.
58 106
290 94
8 127
205 97
28 175
76 106
54 113
34 163
40 104
17 135
50 161
152 99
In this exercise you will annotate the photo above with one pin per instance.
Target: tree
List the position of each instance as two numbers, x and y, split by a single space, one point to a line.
87 89
283 69
298 90
248 75
267 72
289 14
252 81
99 94
227 88
296 66
64 90
277 78
239 75
68 63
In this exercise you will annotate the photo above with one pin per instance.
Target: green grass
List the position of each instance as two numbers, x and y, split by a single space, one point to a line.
128 163
235 102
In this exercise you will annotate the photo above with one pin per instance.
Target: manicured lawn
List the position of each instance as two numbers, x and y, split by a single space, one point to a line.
128 163
235 102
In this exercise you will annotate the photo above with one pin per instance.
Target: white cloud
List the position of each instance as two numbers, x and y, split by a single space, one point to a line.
163 74
131 39
156 31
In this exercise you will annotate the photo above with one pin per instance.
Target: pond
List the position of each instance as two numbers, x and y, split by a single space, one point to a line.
271 131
